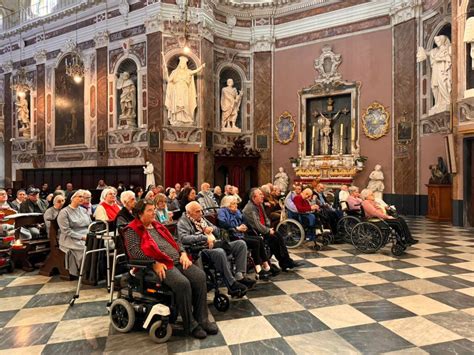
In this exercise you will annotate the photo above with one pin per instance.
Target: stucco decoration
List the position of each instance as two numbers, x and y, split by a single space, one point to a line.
327 65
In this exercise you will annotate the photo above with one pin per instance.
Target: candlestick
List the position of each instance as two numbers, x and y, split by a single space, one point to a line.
341 136
313 139
300 138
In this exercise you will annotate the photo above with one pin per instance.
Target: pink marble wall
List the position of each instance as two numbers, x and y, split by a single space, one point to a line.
366 58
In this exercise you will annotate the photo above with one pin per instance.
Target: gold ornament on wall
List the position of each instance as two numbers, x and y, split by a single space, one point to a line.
376 121
285 128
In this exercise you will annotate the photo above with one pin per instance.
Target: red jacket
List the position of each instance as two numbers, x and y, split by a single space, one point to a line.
148 245
301 204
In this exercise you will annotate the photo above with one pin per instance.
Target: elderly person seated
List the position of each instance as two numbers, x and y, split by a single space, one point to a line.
218 194
125 215
73 223
289 204
372 209
354 201
327 211
33 204
20 197
230 218
256 218
52 213
193 229
303 206
108 208
172 202
162 214
206 199
146 239
87 205
342 197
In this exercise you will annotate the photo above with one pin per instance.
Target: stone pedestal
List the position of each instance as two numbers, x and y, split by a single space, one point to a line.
439 203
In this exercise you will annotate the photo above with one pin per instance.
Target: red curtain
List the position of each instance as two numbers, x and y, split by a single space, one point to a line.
236 178
180 167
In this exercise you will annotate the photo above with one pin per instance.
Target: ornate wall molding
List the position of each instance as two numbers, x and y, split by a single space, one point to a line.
101 39
263 43
406 11
438 123
466 110
182 134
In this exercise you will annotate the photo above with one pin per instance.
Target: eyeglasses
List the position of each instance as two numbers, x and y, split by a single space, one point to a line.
80 196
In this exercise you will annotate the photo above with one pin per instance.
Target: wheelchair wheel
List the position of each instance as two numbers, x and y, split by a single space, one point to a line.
160 334
292 232
122 315
221 302
345 226
367 237
326 239
397 249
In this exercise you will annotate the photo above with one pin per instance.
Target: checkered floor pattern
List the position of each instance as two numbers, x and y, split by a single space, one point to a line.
339 302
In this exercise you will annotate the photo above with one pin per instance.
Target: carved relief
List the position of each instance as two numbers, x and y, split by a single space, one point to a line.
466 111
438 123
182 135
327 65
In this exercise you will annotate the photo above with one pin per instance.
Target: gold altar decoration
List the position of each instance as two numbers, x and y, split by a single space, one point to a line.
285 128
376 121
328 166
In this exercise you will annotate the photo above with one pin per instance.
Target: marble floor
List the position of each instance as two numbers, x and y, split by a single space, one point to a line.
339 302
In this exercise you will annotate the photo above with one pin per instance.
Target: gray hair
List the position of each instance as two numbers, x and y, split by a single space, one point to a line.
88 193
227 201
191 205
78 192
253 191
353 189
365 193
126 196
57 197
106 191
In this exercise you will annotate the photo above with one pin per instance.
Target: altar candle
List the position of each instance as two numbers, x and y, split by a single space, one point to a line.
341 136
300 138
313 139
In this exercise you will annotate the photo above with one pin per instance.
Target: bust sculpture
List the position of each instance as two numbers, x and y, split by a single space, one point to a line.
180 98
376 184
230 105
281 179
23 114
440 61
128 102
148 170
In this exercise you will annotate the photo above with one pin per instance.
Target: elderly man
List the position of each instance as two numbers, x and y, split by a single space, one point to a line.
256 219
20 197
206 198
33 203
327 211
4 204
193 228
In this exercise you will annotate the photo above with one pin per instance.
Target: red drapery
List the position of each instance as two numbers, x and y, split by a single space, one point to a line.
236 178
180 167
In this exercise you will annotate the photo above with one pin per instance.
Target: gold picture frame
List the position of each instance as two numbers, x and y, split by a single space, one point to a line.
376 121
285 128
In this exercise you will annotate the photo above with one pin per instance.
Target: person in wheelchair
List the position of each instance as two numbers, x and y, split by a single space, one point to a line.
230 218
327 211
256 218
372 209
353 201
194 229
146 239
289 204
304 207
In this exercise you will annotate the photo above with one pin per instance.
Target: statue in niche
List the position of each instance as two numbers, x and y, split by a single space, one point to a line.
23 114
439 173
230 105
181 93
281 180
376 184
128 102
150 176
440 61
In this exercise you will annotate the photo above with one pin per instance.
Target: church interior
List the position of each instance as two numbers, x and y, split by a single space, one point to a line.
237 176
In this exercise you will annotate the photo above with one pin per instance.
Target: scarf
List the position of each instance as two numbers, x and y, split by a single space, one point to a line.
111 210
200 225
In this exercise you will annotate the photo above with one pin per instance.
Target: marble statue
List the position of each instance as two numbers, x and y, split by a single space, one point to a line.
230 105
325 133
23 114
150 176
440 61
376 184
181 93
128 101
281 180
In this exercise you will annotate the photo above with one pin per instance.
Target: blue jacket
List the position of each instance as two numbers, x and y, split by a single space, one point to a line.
230 221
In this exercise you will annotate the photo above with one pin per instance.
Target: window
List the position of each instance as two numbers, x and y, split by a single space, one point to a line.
42 7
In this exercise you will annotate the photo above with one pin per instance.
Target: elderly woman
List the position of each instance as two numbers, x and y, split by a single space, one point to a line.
125 215
52 213
172 202
73 223
108 208
354 201
87 205
372 209
230 218
146 239
162 214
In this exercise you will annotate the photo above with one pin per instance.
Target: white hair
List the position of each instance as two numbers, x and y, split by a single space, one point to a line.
353 189
227 201
106 191
57 197
192 204
78 192
365 193
126 196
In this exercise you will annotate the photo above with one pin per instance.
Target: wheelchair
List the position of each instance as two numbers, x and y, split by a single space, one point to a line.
295 230
347 223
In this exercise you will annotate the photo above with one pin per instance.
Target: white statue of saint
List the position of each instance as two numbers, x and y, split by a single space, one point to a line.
150 176
376 184
181 93
440 61
23 114
281 179
325 133
230 105
128 101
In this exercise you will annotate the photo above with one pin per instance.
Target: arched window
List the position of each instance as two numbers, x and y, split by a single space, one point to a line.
42 7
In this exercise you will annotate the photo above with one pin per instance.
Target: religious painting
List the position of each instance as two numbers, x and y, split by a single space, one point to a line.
262 142
154 140
285 128
69 108
404 132
375 121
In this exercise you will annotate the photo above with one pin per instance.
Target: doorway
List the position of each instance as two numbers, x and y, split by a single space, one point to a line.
180 167
469 180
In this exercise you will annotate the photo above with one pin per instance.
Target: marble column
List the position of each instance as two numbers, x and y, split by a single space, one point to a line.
262 69
207 109
7 114
39 160
404 62
102 112
155 100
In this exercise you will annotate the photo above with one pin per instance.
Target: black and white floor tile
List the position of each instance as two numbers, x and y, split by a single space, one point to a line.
339 302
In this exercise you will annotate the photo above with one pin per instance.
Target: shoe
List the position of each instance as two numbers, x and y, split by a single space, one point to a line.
210 328
274 270
264 275
295 264
412 241
199 333
237 289
248 282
